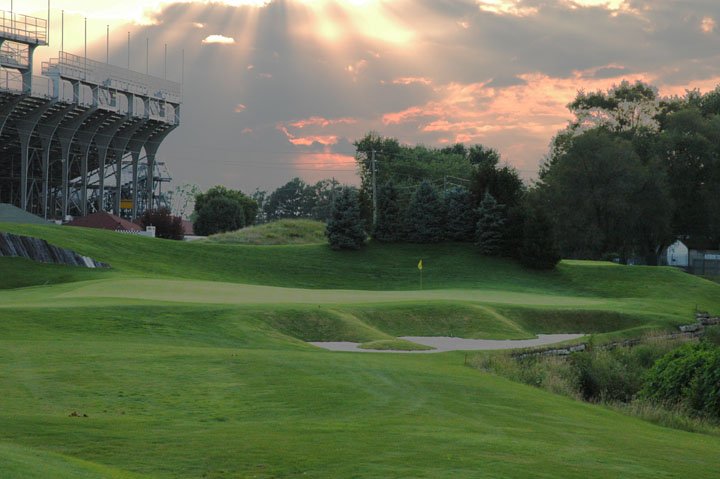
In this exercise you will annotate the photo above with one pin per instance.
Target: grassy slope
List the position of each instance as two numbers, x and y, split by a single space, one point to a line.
286 231
229 390
183 393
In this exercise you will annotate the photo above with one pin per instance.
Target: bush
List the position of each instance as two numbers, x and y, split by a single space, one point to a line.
345 228
166 225
688 377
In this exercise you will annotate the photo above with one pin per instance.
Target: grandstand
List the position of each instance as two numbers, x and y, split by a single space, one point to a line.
84 136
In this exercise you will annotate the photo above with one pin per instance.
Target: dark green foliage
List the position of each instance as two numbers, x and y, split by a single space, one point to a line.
488 232
688 377
166 225
345 228
294 199
504 184
514 231
461 220
425 219
539 249
248 206
389 226
607 375
218 215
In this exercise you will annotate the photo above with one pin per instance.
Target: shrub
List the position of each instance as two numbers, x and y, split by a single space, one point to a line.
166 225
688 377
539 249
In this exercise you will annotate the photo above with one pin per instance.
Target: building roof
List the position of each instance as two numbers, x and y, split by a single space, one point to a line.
12 214
106 221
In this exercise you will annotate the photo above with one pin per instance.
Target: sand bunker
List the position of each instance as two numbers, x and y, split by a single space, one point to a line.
443 344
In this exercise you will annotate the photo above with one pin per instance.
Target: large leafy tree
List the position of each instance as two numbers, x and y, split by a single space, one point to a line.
539 248
247 204
218 215
345 228
294 199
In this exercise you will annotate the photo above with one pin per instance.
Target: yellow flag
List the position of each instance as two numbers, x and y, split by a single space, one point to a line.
420 265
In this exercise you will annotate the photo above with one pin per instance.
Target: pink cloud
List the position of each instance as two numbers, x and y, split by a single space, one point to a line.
321 122
412 80
240 108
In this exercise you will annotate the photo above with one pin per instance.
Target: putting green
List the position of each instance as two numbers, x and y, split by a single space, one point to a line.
208 292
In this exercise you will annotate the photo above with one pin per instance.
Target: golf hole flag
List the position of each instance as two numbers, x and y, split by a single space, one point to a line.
420 265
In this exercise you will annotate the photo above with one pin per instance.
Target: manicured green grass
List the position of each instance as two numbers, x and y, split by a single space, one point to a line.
287 231
190 360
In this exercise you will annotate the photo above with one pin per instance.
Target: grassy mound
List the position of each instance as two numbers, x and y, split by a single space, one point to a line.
395 345
279 232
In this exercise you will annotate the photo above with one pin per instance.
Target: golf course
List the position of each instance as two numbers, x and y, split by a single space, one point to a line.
193 360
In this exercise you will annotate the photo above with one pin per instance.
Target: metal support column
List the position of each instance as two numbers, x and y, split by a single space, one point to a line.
119 146
25 128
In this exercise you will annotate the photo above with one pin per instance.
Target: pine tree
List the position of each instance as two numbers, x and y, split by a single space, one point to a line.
345 228
389 221
491 218
425 220
539 249
460 225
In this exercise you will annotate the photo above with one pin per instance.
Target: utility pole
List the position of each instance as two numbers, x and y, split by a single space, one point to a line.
374 190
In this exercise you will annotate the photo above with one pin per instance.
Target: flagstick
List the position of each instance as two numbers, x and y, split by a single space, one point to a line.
421 280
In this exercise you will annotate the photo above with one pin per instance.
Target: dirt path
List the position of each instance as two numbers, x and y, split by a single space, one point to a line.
443 344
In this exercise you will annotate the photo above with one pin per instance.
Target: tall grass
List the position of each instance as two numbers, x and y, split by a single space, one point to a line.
600 375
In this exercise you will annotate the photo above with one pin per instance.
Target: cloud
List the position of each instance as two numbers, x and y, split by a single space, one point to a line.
240 108
707 25
219 39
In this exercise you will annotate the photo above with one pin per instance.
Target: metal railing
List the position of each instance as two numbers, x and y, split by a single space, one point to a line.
89 71
23 28
11 80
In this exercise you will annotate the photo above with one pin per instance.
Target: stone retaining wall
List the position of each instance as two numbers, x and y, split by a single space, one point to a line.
41 251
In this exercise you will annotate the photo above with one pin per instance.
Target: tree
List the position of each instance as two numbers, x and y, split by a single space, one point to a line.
218 215
539 249
425 220
291 200
248 206
166 225
591 192
345 228
321 198
488 233
389 224
461 220
183 199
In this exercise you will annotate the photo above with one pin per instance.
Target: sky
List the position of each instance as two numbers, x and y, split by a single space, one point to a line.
275 89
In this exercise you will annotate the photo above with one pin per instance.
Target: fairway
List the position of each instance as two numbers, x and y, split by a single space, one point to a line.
229 293
126 375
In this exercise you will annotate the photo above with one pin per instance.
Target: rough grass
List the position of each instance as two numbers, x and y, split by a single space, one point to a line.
280 232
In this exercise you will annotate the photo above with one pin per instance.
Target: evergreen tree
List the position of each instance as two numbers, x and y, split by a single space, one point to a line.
345 228
539 249
425 220
389 221
491 219
460 225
